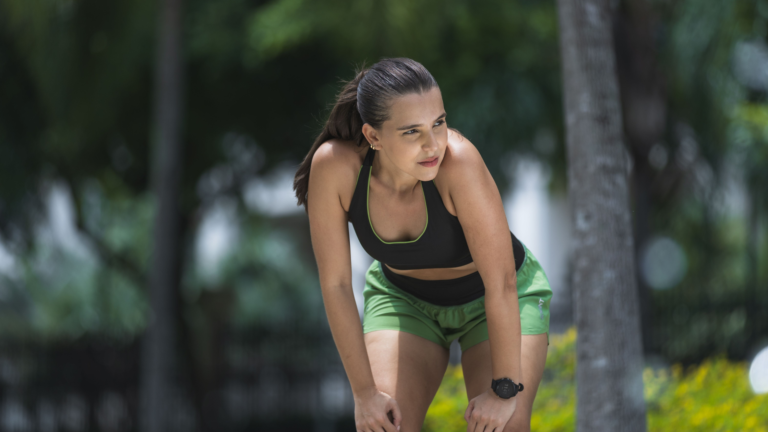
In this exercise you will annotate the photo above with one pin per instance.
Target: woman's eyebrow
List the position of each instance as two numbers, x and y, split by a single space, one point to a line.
417 125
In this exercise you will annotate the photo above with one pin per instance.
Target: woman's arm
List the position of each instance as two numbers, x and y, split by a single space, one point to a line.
330 241
481 214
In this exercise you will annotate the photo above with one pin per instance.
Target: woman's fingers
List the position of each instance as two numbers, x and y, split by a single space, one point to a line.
395 409
386 425
468 411
377 412
480 422
471 423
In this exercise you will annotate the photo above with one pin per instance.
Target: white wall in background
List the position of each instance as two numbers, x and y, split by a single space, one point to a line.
541 221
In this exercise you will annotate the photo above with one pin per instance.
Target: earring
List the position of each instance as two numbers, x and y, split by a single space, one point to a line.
373 147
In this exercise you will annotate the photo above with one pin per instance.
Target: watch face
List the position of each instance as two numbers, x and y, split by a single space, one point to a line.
504 388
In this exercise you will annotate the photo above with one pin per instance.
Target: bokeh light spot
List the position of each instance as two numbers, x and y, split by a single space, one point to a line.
663 263
758 372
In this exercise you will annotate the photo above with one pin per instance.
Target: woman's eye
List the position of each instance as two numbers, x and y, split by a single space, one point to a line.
438 123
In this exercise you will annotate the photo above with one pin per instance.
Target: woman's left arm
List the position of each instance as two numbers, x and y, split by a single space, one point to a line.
481 213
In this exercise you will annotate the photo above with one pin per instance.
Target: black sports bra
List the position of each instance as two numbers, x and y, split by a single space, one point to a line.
441 244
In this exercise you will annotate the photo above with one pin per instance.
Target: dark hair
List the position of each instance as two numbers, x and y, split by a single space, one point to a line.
365 99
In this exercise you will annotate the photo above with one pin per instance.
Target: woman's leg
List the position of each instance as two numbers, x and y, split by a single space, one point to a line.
476 363
410 369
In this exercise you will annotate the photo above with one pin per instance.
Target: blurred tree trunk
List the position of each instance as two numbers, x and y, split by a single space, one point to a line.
609 352
165 266
644 108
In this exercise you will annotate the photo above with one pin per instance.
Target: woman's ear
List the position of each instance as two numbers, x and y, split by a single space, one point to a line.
372 135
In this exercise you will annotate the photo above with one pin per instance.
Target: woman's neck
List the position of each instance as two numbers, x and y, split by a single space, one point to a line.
392 178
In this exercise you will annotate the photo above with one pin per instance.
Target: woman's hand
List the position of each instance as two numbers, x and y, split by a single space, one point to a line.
488 412
372 412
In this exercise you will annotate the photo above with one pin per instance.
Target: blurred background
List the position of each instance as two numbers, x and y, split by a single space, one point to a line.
253 348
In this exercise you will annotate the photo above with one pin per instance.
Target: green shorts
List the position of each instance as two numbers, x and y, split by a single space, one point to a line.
389 308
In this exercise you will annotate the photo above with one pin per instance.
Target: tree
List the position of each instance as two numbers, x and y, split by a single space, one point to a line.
609 351
166 258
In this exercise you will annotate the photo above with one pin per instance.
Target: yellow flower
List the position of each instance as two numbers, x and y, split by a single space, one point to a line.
751 422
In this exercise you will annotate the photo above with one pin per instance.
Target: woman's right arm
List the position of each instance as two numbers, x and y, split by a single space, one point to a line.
330 241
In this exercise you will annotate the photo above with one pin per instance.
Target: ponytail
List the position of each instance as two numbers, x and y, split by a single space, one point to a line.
364 99
344 123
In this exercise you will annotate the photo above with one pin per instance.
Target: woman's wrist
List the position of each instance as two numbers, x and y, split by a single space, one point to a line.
366 391
493 394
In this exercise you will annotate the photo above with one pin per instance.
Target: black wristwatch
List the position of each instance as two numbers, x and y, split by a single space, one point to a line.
505 387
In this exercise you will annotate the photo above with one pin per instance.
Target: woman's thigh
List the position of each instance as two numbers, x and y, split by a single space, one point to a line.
476 364
410 369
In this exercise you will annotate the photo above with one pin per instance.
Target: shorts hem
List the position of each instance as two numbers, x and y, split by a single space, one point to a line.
469 345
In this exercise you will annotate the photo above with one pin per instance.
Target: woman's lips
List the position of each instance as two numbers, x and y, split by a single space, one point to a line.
430 163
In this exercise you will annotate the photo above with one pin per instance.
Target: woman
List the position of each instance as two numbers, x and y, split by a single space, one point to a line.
424 205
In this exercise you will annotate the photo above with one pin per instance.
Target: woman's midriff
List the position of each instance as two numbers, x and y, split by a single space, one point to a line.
446 287
444 292
434 274
437 273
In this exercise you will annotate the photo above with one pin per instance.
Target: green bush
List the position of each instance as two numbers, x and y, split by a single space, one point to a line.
713 396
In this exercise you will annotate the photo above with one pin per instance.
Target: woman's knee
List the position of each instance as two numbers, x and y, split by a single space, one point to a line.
519 422
409 368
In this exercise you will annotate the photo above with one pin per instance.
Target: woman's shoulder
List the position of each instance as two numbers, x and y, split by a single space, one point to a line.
338 154
339 161
460 155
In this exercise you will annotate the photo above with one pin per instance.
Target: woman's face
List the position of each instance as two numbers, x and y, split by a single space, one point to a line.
416 132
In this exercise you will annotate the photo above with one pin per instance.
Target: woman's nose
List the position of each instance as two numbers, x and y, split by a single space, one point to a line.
431 143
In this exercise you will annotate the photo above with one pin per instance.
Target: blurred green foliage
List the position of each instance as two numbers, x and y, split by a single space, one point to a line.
76 82
79 75
76 92
269 70
716 306
714 395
